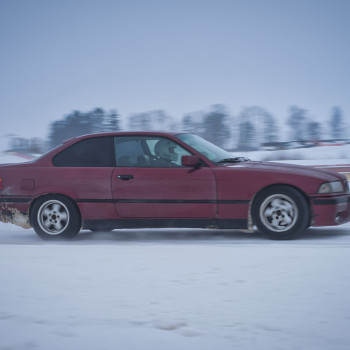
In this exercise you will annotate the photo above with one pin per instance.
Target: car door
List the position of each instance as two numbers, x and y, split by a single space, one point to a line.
146 185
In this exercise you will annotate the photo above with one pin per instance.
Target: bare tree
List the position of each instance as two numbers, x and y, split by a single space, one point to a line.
297 122
336 123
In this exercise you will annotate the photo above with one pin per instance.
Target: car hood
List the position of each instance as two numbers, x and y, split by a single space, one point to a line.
322 174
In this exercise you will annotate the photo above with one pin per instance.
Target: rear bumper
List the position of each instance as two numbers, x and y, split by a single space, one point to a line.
15 211
330 211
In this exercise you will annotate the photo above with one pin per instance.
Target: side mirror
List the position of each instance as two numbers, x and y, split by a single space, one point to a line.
190 161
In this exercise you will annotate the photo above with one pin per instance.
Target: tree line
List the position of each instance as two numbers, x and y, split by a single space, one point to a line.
248 130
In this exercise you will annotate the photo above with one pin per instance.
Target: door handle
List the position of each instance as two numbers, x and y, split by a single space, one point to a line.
125 177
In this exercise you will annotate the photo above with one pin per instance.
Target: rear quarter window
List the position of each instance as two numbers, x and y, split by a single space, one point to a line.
94 152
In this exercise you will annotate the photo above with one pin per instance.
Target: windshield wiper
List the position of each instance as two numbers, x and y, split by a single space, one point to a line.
234 160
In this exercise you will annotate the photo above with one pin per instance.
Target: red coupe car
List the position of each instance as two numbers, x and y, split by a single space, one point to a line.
152 179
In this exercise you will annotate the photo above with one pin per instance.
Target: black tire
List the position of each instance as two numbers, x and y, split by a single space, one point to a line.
281 213
55 217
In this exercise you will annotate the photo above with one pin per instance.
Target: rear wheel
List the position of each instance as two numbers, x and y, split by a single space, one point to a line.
55 217
281 212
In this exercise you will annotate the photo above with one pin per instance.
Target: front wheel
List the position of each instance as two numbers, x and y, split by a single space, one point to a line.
281 213
55 217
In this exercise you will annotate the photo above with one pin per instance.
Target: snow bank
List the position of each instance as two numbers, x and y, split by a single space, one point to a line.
333 155
11 158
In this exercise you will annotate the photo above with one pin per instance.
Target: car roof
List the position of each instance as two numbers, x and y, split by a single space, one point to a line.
125 133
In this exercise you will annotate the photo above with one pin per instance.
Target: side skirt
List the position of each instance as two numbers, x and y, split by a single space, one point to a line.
166 223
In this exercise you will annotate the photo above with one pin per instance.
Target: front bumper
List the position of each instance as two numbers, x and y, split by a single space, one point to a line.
330 210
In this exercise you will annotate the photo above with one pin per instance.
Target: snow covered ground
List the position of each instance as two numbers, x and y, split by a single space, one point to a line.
174 290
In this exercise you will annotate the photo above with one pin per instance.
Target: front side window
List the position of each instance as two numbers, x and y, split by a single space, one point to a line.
93 152
204 147
144 151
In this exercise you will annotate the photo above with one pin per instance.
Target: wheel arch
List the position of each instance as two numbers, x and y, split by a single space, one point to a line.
53 194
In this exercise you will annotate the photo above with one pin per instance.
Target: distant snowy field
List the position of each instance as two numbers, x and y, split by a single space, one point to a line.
305 156
176 289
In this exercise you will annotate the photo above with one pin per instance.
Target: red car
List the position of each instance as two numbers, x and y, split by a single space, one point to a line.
151 179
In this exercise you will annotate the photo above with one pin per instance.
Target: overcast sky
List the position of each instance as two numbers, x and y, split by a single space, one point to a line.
178 55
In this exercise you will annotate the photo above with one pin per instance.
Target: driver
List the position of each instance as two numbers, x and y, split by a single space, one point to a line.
165 152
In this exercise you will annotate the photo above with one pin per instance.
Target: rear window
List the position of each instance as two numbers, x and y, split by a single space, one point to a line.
94 152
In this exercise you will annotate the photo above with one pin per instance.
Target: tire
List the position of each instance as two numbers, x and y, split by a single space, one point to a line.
281 213
55 217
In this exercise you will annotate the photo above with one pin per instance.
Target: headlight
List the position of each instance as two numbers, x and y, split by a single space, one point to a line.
331 187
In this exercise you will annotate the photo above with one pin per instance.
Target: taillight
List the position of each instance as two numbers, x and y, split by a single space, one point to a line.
1 184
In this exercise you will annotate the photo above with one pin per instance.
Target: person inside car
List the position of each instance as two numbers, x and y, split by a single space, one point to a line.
165 153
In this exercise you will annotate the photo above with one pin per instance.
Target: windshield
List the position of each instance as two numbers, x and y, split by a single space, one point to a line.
204 147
